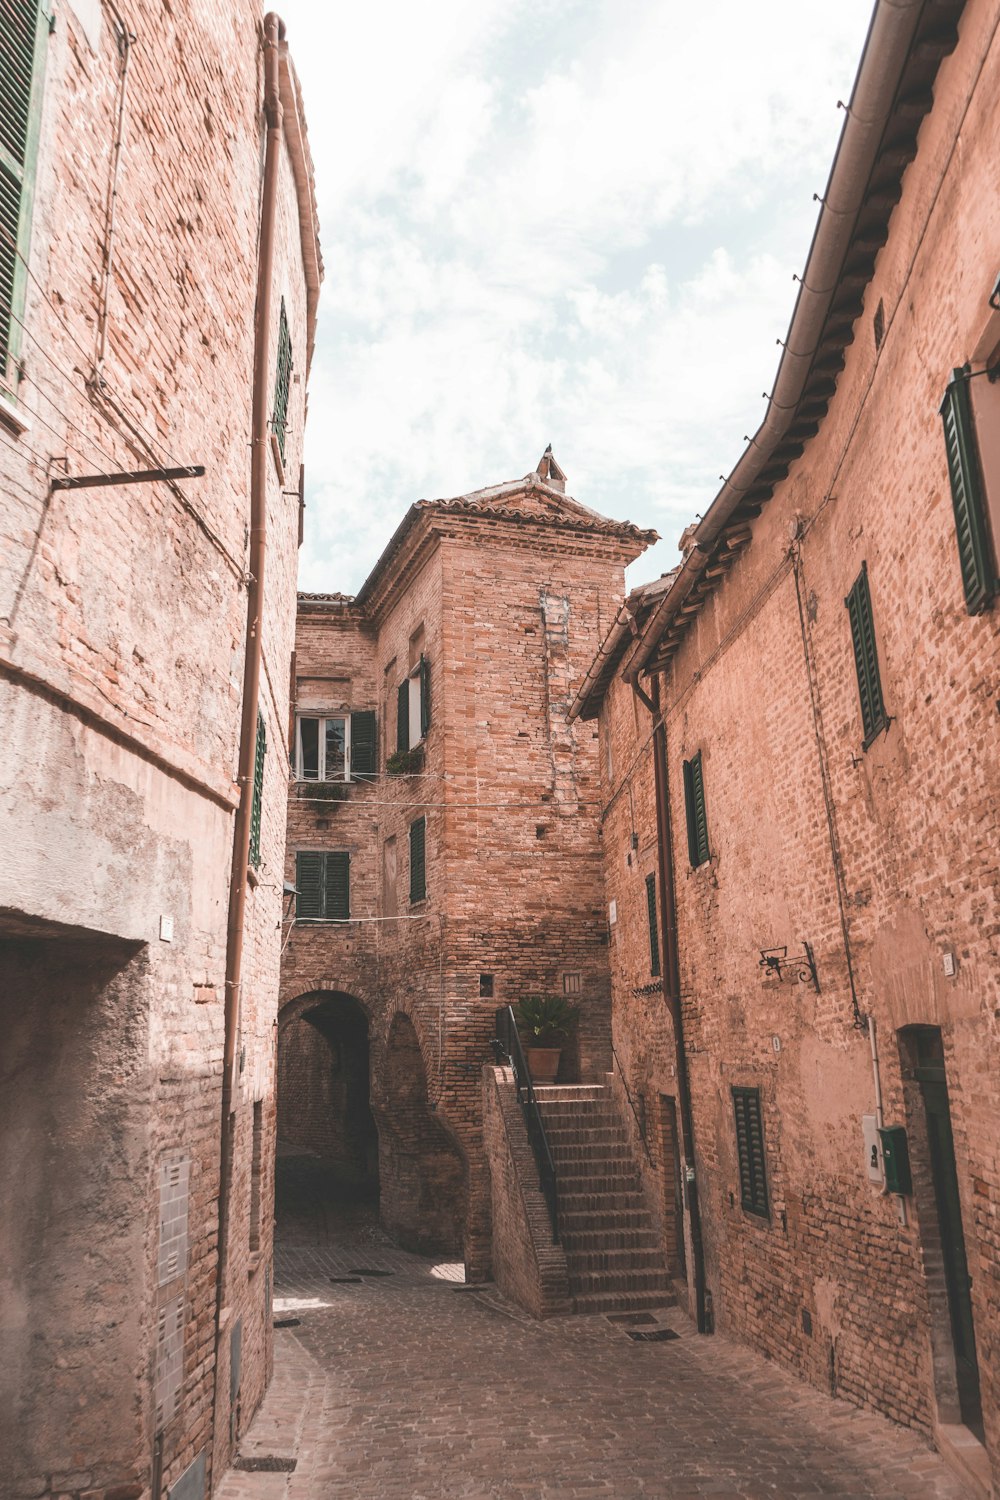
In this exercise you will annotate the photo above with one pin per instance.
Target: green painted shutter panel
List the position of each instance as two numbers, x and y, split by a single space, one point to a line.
654 936
258 792
363 744
282 380
22 59
425 696
309 884
418 868
976 556
694 807
403 717
337 895
859 609
750 1151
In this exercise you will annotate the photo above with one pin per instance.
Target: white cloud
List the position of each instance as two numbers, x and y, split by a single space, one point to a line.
564 222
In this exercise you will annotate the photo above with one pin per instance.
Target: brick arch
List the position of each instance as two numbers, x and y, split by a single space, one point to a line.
422 1167
325 1121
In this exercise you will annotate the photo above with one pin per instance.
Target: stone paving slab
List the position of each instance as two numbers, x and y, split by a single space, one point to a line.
412 1387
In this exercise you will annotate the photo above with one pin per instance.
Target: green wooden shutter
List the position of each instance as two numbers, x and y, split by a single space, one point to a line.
425 695
363 744
654 936
258 791
694 807
859 608
403 717
976 556
418 865
337 885
282 380
309 885
750 1150
22 65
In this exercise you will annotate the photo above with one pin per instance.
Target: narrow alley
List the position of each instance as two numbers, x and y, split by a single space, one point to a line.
395 1381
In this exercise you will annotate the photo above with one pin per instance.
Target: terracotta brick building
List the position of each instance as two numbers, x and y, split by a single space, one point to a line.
801 838
443 840
156 195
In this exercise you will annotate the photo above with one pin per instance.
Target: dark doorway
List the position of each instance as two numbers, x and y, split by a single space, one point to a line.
673 1201
327 1147
926 1070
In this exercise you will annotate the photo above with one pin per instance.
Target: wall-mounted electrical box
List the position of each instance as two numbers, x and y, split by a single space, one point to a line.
896 1159
873 1150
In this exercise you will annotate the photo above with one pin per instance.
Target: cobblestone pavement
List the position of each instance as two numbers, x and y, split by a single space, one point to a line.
411 1386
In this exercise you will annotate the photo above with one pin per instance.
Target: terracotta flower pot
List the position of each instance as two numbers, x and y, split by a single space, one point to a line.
543 1063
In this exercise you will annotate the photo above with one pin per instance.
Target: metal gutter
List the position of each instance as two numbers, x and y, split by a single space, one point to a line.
875 100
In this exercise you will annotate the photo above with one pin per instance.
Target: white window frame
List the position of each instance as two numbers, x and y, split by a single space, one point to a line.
321 720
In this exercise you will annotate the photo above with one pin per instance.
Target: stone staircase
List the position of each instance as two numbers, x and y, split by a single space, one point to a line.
612 1250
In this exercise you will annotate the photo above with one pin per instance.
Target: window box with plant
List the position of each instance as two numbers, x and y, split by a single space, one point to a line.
405 762
544 1022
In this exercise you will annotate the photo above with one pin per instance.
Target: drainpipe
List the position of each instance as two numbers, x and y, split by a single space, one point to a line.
273 31
672 986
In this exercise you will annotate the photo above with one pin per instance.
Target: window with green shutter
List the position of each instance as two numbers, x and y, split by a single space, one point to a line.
750 1150
976 552
694 806
282 380
654 936
425 695
22 64
258 792
418 860
403 717
859 609
323 885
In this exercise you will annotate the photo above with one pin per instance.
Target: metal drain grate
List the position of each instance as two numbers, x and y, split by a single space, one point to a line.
265 1464
287 1322
368 1272
346 1280
635 1319
654 1336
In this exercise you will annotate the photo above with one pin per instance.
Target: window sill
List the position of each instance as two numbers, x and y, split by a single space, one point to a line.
279 466
10 417
253 1264
253 877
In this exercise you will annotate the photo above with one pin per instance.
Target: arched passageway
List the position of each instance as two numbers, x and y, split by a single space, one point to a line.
327 1148
422 1173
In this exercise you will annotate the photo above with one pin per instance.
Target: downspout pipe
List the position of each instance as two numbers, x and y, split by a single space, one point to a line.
672 988
887 48
260 449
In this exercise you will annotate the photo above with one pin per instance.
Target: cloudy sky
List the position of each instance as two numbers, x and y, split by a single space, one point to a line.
565 221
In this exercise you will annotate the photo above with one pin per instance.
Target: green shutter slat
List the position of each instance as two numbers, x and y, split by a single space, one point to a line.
22 66
282 380
418 868
859 610
337 886
694 807
363 743
425 695
654 936
309 885
976 556
258 792
403 717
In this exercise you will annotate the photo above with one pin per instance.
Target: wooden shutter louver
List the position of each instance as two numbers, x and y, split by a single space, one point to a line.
363 744
425 695
309 885
403 717
22 54
750 1150
694 807
976 556
337 886
654 936
859 609
258 792
282 380
418 866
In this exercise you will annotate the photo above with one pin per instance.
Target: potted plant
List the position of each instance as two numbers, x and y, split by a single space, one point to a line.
544 1022
405 762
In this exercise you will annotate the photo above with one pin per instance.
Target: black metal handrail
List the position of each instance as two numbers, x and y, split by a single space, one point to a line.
507 1047
640 1124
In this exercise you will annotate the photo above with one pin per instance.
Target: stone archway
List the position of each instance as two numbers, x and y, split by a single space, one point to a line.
421 1170
326 1135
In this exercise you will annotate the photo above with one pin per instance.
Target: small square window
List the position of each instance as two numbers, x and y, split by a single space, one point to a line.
571 984
486 986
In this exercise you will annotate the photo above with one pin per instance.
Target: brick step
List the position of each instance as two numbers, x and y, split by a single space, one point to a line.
607 1158
584 1282
577 1117
581 1241
569 1093
617 1261
578 1177
606 1302
604 1221
609 1202
573 1134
